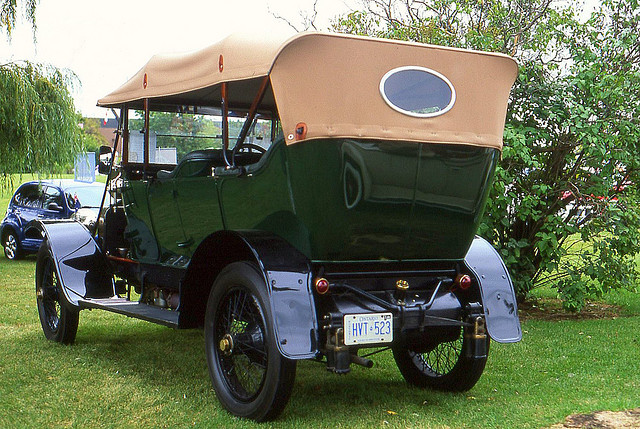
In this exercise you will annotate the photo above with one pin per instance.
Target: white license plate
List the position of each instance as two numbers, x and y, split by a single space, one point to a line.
368 328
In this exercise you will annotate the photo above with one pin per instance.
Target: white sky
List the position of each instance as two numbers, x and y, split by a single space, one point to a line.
106 42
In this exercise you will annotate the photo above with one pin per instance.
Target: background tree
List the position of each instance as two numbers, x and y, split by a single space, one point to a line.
9 10
38 126
92 139
564 205
307 18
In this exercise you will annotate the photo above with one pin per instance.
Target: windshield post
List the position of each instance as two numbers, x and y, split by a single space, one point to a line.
145 165
112 161
274 129
225 124
252 111
124 118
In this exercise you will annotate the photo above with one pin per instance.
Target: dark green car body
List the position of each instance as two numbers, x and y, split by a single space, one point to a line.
333 200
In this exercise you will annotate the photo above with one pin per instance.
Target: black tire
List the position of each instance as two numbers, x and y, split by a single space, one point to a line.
249 375
445 367
58 318
11 245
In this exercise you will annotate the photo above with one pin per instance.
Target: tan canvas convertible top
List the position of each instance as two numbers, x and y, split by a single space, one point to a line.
331 84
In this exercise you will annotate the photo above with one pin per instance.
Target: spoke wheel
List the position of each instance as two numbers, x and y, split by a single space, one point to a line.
444 367
59 321
441 360
240 332
248 373
11 246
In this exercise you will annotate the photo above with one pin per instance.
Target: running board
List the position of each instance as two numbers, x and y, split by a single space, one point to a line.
134 309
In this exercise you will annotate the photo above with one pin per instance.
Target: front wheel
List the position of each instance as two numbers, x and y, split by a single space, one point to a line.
59 321
250 377
446 366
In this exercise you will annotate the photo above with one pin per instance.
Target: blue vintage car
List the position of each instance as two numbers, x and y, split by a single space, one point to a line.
46 199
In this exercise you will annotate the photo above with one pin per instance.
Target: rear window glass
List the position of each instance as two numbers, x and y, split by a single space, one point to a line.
417 91
29 196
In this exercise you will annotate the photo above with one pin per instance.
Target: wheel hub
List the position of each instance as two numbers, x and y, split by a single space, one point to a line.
226 344
11 246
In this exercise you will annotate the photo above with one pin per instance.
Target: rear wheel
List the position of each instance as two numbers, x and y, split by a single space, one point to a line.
248 373
12 249
59 321
445 367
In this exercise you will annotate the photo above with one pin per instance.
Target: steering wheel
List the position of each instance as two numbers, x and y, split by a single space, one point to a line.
250 147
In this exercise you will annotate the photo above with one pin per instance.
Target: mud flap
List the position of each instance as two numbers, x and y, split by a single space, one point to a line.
82 268
294 313
496 288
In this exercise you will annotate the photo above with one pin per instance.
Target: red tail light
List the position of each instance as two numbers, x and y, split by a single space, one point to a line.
463 281
322 286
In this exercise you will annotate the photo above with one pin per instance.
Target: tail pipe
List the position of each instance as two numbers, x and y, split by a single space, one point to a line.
362 361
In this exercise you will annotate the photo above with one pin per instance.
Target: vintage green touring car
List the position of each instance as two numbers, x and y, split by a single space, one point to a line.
299 199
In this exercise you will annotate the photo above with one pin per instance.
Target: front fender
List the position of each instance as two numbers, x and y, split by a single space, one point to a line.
496 289
82 269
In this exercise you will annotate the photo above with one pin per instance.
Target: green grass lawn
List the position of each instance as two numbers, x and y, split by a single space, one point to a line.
123 372
127 373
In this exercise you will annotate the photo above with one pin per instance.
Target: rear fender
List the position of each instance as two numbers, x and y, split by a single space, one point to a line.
10 222
496 289
82 269
287 275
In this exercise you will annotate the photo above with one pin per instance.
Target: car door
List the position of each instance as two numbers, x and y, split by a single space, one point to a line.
197 201
166 218
53 206
139 228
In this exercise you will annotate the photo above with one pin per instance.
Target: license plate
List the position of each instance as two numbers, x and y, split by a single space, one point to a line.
368 328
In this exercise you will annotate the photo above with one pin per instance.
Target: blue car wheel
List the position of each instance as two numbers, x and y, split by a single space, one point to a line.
12 249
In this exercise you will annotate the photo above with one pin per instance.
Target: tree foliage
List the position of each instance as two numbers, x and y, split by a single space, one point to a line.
38 126
9 10
92 139
564 205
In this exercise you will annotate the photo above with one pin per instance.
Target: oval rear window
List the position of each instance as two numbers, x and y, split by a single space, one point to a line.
417 91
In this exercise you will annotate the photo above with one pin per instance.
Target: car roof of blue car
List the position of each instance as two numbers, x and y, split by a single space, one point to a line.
64 183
